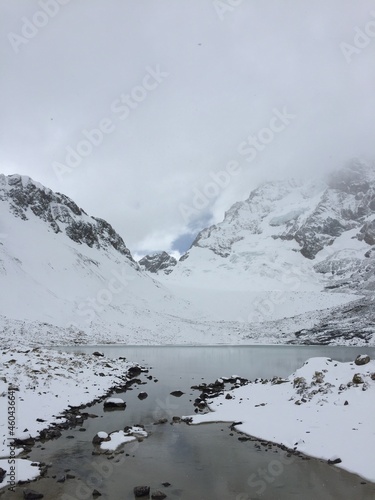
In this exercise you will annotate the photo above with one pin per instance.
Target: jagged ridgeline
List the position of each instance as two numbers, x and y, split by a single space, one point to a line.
60 212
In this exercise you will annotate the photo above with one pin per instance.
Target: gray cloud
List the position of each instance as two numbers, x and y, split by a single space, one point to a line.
225 78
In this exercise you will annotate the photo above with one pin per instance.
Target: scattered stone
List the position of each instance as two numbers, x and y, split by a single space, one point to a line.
177 394
61 479
98 354
362 359
357 379
141 491
2 474
161 421
134 371
96 493
70 476
100 437
232 426
334 461
142 395
114 403
32 494
158 495
48 434
166 484
176 419
228 396
346 403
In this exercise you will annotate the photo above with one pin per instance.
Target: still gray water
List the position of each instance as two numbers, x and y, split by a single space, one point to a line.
205 462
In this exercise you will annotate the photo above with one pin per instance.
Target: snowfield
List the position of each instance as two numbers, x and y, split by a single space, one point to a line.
46 383
325 409
78 283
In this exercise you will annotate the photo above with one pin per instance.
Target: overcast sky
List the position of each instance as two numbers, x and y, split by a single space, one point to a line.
130 107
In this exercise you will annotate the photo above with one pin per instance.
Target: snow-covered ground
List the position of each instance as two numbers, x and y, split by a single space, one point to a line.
45 383
318 410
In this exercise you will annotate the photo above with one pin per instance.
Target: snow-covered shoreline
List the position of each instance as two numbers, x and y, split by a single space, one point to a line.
37 386
320 410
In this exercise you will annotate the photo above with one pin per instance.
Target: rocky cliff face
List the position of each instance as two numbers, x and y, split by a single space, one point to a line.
158 262
28 198
313 215
330 224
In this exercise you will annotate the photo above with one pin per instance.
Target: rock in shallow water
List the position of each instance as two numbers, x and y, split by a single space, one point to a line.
141 491
158 495
32 495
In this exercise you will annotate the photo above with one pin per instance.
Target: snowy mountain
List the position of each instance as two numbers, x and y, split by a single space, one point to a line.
290 249
294 263
68 277
318 230
157 262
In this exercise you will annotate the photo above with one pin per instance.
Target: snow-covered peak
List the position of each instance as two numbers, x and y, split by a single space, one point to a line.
158 262
29 200
284 227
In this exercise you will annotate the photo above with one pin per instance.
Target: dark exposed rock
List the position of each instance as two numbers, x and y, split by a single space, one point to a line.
2 474
177 394
32 494
142 395
141 491
161 261
98 440
60 212
367 233
96 493
161 421
111 404
357 379
134 371
48 434
334 461
158 495
362 359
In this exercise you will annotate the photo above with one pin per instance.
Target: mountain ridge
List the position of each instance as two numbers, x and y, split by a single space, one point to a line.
70 276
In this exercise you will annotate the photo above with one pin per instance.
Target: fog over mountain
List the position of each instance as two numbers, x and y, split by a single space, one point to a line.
133 109
294 262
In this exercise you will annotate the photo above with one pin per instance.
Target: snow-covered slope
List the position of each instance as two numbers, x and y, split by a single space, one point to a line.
61 268
286 228
291 248
283 266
